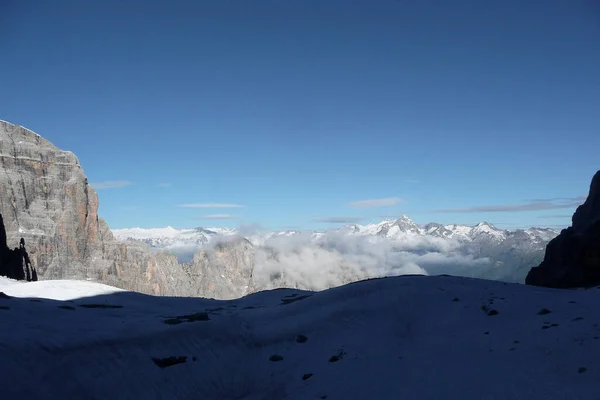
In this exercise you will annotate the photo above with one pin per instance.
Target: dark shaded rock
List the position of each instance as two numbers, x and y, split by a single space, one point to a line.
301 339
275 357
544 311
169 361
306 376
589 212
14 264
548 325
294 299
201 316
489 311
337 357
99 306
572 259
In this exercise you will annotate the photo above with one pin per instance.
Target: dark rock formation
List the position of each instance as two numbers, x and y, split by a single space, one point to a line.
15 264
588 213
572 259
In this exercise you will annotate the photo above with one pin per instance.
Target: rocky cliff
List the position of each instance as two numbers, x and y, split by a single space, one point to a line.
572 259
45 198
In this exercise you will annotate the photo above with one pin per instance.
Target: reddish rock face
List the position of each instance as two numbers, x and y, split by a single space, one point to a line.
45 198
572 259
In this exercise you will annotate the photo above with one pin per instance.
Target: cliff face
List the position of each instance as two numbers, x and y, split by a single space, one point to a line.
45 198
572 259
222 271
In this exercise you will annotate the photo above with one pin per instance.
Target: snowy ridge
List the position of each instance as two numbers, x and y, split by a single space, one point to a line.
402 230
318 260
170 238
391 229
405 337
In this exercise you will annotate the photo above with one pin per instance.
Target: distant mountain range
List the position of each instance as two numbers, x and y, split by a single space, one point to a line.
479 251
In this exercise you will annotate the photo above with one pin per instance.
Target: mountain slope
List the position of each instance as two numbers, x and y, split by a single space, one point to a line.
404 337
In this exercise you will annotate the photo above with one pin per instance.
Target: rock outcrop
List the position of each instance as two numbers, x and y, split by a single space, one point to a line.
572 259
45 198
223 270
15 264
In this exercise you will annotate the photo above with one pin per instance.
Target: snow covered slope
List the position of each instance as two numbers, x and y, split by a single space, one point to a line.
412 337
55 289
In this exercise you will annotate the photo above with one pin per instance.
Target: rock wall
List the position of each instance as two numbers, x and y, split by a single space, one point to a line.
45 198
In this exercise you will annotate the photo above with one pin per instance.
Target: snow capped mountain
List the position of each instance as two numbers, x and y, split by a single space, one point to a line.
171 238
183 242
404 226
389 247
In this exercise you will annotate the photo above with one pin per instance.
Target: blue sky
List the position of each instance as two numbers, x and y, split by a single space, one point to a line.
306 114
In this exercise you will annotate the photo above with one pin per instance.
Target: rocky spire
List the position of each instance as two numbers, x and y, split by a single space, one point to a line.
3 243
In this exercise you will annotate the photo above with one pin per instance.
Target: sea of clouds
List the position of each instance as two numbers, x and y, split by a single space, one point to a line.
336 258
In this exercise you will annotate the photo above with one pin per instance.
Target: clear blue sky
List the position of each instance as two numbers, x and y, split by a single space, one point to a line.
486 110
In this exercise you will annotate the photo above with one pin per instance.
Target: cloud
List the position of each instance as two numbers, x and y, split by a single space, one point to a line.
563 199
385 202
554 216
533 205
220 216
411 181
335 259
317 261
164 185
338 220
211 205
110 184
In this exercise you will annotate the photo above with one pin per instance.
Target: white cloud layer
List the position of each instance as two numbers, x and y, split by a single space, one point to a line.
336 259
319 261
